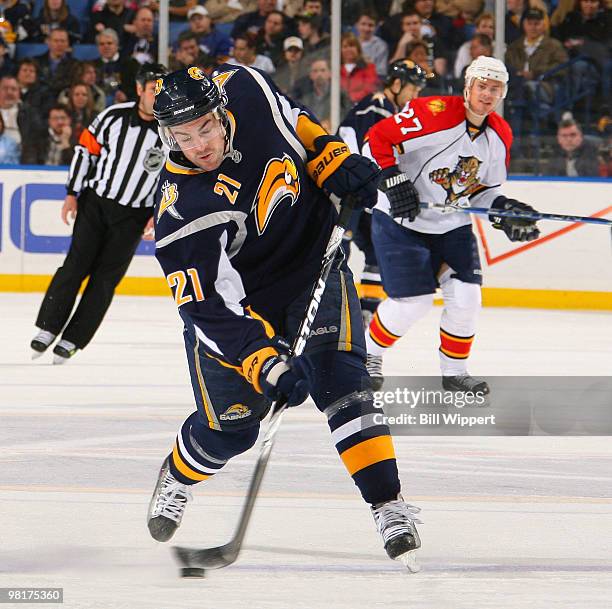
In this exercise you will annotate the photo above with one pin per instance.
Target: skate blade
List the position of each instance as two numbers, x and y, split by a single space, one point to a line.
408 559
37 354
58 360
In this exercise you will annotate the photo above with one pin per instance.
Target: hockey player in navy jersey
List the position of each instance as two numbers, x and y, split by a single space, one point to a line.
404 81
447 152
242 220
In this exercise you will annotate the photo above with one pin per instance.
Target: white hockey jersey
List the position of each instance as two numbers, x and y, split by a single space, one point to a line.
450 163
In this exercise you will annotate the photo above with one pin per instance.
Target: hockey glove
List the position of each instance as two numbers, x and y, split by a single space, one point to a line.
358 176
516 229
403 196
281 376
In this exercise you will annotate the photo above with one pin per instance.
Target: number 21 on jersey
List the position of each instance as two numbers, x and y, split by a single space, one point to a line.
179 280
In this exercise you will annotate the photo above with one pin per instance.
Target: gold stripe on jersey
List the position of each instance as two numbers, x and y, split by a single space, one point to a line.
344 339
368 452
208 409
187 471
308 131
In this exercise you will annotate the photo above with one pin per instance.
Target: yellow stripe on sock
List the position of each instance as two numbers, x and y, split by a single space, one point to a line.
367 453
184 468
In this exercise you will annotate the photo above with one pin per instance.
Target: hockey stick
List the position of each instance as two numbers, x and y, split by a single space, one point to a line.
222 556
523 215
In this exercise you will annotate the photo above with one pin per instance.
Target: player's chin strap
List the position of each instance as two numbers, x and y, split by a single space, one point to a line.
228 126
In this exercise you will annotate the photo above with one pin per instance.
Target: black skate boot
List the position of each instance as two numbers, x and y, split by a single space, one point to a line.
167 504
63 351
41 342
465 383
374 368
396 523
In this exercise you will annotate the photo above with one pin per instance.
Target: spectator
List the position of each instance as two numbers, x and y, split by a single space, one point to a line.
211 41
56 14
110 67
18 18
315 95
86 74
418 52
415 31
485 24
224 11
292 66
81 107
532 55
587 31
252 22
316 41
374 48
574 156
358 78
245 54
20 121
140 44
115 16
33 93
188 53
56 65
440 25
515 8
9 150
480 44
315 7
54 146
177 9
269 40
6 63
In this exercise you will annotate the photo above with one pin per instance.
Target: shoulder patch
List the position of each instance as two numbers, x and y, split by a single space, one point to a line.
168 199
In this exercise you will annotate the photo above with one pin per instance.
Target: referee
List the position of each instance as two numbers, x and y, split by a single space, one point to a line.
110 189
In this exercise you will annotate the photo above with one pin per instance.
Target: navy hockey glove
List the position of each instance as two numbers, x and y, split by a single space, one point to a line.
403 196
357 175
281 376
516 229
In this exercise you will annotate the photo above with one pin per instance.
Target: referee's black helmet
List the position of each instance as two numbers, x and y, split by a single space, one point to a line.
408 72
148 72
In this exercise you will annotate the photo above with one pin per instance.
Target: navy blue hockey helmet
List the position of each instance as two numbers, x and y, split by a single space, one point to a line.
408 72
184 96
149 72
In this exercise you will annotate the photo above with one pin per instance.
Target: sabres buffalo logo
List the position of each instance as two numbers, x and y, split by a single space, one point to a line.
234 412
168 199
461 181
159 83
280 182
196 73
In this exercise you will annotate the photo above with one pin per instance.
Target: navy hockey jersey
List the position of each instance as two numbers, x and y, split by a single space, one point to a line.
362 116
238 244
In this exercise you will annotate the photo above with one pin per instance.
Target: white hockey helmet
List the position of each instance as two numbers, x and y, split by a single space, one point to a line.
486 67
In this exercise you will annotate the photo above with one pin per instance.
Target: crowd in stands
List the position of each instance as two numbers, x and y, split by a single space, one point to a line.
557 54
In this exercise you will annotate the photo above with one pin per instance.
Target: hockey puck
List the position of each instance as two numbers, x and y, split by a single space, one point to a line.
192 572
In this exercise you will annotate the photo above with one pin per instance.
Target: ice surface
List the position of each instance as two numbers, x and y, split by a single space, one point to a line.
509 522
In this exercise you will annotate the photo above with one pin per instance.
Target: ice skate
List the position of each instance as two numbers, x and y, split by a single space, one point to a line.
63 351
465 383
396 521
167 506
374 368
41 342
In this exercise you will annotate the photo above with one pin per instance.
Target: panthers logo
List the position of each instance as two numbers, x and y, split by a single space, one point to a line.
169 198
436 106
461 182
280 182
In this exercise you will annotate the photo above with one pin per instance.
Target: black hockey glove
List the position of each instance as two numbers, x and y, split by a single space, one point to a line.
358 176
516 229
281 376
402 194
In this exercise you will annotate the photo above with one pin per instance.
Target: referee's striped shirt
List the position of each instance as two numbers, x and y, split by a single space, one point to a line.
119 157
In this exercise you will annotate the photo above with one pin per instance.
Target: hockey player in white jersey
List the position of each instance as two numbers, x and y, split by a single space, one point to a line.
445 152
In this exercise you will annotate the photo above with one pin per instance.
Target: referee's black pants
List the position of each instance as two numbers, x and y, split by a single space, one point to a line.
104 239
